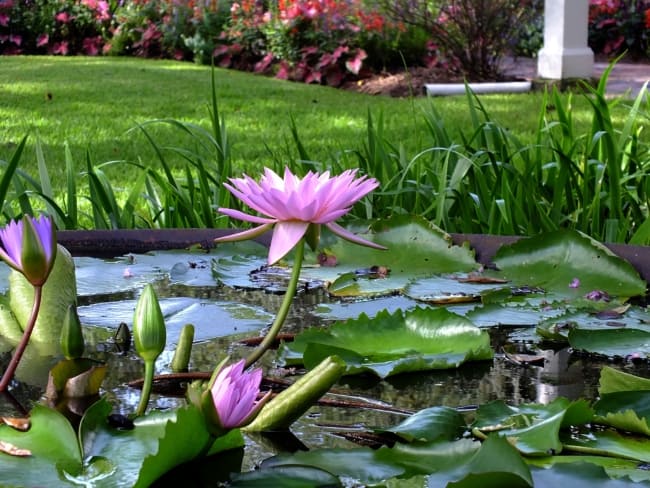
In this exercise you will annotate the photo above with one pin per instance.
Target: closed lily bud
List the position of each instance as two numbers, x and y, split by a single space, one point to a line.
29 246
230 401
72 339
149 333
181 359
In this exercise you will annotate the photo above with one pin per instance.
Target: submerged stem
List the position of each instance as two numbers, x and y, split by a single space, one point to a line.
18 353
284 308
146 387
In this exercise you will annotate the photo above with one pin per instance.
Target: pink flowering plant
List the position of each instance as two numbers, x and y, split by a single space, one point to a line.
618 26
44 27
29 247
295 208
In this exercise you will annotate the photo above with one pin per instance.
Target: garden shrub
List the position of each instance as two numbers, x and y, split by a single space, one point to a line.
530 37
48 27
474 34
314 41
617 26
304 40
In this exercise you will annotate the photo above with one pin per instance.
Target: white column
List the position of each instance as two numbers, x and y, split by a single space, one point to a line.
565 53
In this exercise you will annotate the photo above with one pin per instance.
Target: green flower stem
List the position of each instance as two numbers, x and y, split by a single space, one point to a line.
146 387
593 451
284 308
15 359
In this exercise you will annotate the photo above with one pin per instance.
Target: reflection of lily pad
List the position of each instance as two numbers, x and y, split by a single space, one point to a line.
389 344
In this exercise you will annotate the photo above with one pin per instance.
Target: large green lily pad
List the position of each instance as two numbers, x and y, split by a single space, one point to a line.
569 264
415 248
388 344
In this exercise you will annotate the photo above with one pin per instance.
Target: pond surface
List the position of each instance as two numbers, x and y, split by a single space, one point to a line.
227 305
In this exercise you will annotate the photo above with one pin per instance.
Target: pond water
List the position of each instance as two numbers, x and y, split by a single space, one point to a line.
229 306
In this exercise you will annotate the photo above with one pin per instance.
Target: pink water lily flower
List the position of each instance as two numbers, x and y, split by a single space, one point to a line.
29 246
234 394
292 204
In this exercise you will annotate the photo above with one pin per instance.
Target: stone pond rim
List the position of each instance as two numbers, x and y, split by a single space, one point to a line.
113 243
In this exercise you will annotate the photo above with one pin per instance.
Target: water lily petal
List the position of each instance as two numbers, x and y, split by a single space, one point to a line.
11 239
349 236
237 214
44 229
285 236
245 234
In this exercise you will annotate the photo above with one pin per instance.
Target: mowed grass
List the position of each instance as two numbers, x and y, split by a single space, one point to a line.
94 105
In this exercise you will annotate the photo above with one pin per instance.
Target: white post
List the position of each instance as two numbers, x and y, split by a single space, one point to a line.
565 53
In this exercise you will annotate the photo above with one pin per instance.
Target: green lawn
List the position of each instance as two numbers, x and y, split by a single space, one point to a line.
499 164
91 103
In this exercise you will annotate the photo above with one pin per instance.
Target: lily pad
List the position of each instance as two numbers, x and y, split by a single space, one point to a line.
570 265
443 290
210 319
430 424
415 248
625 410
558 327
532 428
461 463
574 470
613 342
610 443
388 344
613 380
579 475
351 309
54 449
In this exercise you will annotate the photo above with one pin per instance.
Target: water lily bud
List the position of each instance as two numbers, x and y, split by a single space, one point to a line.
149 333
230 401
72 339
29 246
181 358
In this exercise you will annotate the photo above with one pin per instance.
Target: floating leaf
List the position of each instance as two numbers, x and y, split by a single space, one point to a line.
495 464
415 248
559 326
613 380
441 290
430 424
158 442
53 445
389 344
610 443
625 410
554 260
532 428
612 342
286 477
462 463
211 318
578 474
